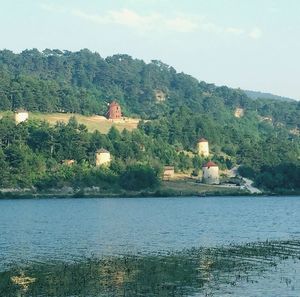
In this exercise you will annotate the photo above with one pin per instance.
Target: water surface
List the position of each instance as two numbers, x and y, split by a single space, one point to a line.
237 246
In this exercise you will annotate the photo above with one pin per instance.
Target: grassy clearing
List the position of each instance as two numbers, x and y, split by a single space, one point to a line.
191 188
93 123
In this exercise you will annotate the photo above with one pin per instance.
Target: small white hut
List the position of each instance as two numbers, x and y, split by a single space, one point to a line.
168 172
203 148
21 115
210 172
103 157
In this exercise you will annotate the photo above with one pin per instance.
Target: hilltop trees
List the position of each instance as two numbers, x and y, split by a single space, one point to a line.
83 82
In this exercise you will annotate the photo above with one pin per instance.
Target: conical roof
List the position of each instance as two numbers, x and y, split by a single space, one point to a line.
114 103
210 164
102 150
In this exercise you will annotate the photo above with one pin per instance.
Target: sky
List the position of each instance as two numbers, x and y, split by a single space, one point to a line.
248 44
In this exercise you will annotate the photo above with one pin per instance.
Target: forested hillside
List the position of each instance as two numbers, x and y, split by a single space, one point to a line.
84 82
262 95
34 154
262 137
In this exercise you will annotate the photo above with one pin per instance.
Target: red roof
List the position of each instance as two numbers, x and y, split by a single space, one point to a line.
210 164
202 140
114 103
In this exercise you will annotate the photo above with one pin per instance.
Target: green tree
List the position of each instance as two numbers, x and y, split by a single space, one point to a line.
138 177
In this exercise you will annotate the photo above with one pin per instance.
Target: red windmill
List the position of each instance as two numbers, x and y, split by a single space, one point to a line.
114 111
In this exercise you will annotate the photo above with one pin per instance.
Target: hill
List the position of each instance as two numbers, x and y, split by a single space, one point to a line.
261 135
83 82
261 95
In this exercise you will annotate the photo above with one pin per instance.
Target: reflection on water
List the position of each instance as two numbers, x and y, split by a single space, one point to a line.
257 269
150 247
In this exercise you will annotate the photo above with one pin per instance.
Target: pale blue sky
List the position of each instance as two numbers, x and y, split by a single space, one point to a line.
251 44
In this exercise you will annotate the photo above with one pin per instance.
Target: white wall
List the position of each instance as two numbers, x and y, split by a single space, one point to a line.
103 159
211 175
203 149
21 117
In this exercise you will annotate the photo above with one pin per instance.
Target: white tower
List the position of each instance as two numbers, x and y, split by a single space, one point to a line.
103 157
210 173
203 148
21 116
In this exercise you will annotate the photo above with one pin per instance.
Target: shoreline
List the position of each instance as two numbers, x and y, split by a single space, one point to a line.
141 194
166 189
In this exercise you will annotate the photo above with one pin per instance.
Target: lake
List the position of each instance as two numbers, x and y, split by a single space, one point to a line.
214 246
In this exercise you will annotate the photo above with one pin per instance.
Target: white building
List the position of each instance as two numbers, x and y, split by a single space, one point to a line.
168 172
239 112
103 157
21 116
210 172
203 148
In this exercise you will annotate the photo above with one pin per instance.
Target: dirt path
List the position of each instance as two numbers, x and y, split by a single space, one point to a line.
248 182
249 186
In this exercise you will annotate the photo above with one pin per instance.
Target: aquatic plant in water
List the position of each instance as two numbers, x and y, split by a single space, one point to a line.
201 270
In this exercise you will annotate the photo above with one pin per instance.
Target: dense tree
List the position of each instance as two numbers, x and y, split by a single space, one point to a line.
84 82
34 154
285 176
137 177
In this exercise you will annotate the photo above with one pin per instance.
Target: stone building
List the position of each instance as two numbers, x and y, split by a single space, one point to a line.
21 115
103 157
203 148
160 96
114 111
239 112
210 174
168 172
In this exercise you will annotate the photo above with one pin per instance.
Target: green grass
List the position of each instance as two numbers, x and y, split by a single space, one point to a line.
93 123
191 188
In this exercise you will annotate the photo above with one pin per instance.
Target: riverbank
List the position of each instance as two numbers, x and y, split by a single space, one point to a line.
166 189
178 188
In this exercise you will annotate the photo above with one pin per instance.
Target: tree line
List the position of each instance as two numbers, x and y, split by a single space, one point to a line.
33 154
83 82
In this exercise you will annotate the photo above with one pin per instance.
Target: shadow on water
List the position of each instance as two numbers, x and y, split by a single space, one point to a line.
202 271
